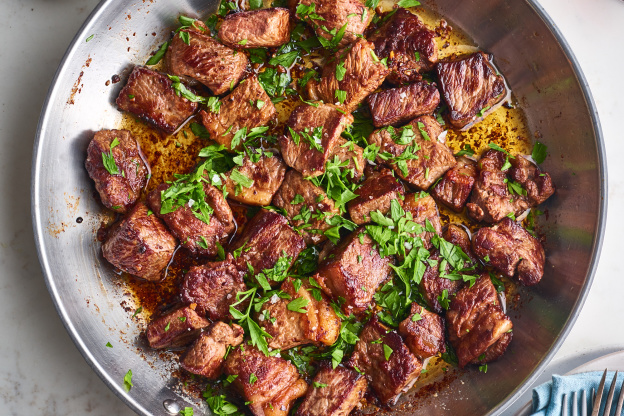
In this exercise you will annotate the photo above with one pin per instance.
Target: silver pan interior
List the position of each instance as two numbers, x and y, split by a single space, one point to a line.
539 68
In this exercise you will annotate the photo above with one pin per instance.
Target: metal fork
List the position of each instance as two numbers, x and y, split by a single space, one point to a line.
596 400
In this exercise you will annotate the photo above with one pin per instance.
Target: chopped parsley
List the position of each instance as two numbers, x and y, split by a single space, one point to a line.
109 160
387 351
127 381
319 385
466 150
109 345
408 3
298 305
540 151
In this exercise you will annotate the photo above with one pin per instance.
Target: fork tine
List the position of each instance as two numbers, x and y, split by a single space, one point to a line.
564 405
596 407
583 403
618 409
607 410
574 404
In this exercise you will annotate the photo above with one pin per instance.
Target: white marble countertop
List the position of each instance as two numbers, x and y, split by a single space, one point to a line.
42 372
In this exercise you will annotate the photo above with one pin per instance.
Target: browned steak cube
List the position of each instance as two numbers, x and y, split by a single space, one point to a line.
433 286
477 327
376 193
263 28
194 234
408 44
307 202
470 86
364 72
327 17
270 384
314 323
206 60
455 186
246 107
266 175
386 361
423 332
457 234
431 158
150 96
175 329
115 164
510 249
353 270
347 151
335 392
139 244
212 288
396 106
205 356
266 238
313 131
492 197
423 208
537 184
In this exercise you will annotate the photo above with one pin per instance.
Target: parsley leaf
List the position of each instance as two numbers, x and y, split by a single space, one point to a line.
240 179
154 59
127 380
408 3
466 150
341 96
387 351
297 305
540 151
109 160
340 71
286 60
500 149
187 411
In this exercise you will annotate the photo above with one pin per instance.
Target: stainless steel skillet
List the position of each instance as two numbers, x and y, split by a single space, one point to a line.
541 71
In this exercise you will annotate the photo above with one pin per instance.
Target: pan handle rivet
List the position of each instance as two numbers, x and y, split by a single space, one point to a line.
171 406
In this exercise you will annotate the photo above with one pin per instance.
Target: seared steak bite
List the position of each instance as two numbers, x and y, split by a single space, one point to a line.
150 96
246 107
313 131
408 44
426 159
455 186
537 184
194 234
423 209
491 198
511 250
470 86
205 356
353 270
266 238
327 17
423 332
266 174
456 234
206 60
175 329
269 384
298 196
363 74
119 189
433 286
352 153
139 244
314 323
477 327
263 28
386 361
339 390
212 288
376 193
396 106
